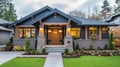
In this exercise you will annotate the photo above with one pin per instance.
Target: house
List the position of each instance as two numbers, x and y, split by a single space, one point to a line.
55 30
115 18
5 33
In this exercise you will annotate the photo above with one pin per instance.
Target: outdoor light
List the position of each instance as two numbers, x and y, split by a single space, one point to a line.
60 31
49 31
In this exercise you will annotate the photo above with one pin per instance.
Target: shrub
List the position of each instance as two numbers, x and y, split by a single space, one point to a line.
111 42
73 46
91 47
43 50
18 48
77 47
9 47
27 45
33 52
66 51
37 52
105 47
98 48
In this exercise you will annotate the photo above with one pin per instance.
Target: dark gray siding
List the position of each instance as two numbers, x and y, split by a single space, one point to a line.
20 42
82 34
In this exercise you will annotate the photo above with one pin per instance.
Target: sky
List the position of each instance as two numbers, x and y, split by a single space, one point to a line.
25 7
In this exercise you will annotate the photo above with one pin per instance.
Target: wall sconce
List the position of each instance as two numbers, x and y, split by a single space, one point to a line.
49 31
60 31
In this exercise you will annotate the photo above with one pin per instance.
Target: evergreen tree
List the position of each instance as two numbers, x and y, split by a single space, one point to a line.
117 9
7 11
105 9
111 41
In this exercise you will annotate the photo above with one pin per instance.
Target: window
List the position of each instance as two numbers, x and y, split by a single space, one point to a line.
75 32
27 32
93 33
105 33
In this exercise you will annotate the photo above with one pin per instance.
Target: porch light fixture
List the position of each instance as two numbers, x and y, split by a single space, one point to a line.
60 31
104 28
92 28
49 31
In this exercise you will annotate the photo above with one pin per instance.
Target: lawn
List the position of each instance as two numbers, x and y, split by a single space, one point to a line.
92 61
25 62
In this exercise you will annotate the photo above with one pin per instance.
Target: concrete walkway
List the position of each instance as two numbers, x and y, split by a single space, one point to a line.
54 60
6 56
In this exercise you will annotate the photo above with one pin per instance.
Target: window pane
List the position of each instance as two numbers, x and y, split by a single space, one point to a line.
93 32
21 33
75 32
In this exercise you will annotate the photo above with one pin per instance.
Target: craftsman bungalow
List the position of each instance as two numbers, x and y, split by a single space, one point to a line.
55 30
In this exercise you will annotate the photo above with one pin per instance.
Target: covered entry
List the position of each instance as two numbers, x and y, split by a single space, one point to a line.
55 34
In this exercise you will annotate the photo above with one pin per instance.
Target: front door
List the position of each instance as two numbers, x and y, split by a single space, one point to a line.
55 35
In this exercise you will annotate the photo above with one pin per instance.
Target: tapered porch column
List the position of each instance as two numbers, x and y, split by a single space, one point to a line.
68 41
86 33
100 33
41 38
16 32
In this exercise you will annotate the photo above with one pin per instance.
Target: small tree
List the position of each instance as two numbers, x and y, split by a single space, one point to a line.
77 47
111 41
66 51
27 45
73 46
105 47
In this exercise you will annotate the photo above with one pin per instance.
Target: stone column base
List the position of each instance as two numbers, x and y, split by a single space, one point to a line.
68 42
40 43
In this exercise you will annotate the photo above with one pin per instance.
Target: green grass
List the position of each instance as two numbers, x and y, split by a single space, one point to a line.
92 61
25 62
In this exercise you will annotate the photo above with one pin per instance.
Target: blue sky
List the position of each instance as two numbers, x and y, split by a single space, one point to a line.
25 7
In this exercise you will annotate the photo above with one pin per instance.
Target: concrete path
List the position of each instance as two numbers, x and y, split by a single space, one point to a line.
6 56
54 60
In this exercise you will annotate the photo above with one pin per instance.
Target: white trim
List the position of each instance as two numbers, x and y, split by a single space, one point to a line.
54 23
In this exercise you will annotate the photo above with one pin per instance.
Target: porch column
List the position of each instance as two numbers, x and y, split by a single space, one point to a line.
86 33
68 41
100 33
16 32
41 38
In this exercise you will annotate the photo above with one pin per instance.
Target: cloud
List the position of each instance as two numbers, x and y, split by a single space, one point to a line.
60 6
25 7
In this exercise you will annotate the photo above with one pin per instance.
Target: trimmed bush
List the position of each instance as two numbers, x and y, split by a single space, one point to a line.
9 47
66 51
91 47
18 48
27 45
111 42
106 47
77 47
44 51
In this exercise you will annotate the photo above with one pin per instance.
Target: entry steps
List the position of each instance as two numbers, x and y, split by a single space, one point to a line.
55 49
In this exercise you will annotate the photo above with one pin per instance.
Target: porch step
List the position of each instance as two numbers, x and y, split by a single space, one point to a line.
55 49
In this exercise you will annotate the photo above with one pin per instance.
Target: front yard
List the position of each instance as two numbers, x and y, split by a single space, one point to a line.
25 62
93 61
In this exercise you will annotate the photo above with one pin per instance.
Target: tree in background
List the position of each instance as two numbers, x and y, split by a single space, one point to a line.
7 11
77 13
117 9
106 9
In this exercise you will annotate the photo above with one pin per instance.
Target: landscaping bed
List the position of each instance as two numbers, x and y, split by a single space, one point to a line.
78 53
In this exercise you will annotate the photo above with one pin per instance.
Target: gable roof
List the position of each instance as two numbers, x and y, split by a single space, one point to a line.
5 29
5 22
32 14
78 20
59 12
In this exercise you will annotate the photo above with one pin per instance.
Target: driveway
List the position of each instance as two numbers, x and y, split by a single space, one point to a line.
6 56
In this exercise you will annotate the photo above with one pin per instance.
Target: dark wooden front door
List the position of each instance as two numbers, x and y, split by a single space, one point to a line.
55 35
